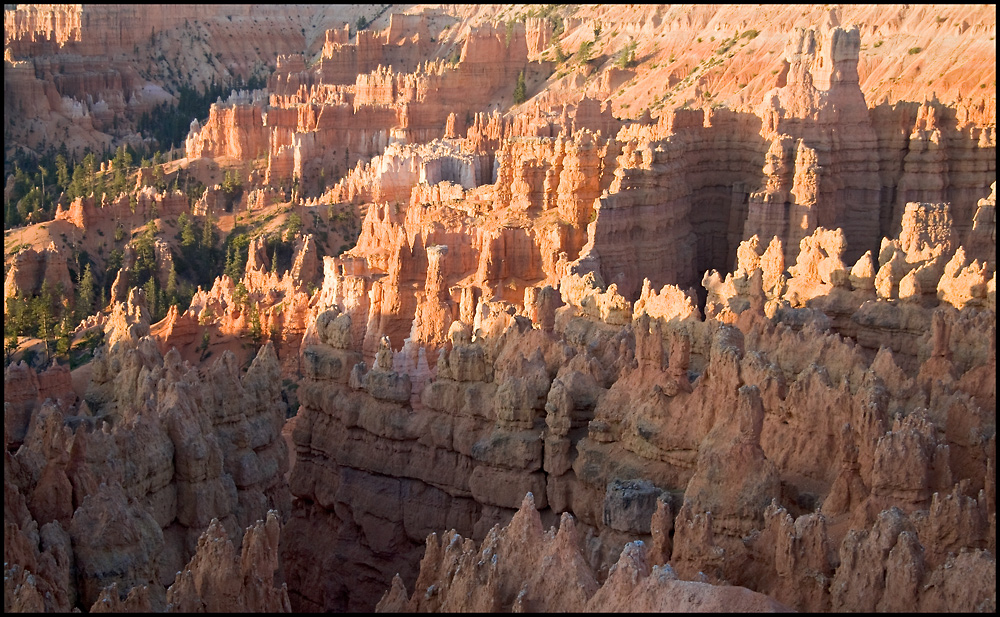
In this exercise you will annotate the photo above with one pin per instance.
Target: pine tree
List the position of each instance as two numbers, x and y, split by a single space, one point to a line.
86 292
64 334
44 316
207 233
256 330
151 298
62 172
187 231
78 185
162 305
42 172
172 290
89 171
520 94
15 322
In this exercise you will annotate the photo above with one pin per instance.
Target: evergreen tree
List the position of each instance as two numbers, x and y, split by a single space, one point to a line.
42 173
294 225
78 185
237 254
161 303
15 322
44 316
241 295
99 188
626 58
89 164
145 254
188 239
11 216
520 95
86 291
151 298
256 329
205 340
64 333
208 233
172 290
62 173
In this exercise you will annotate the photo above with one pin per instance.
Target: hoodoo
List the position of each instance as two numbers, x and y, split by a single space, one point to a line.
500 308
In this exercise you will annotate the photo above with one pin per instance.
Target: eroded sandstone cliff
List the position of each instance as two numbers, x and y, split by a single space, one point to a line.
698 435
130 475
743 355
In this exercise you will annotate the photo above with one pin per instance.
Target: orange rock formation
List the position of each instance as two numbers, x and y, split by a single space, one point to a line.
522 568
137 470
744 354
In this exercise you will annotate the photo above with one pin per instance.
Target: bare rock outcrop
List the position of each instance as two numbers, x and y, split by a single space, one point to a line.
137 470
735 306
521 567
825 439
218 579
115 541
31 269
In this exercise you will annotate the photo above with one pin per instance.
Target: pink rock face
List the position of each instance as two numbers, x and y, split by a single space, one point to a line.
20 399
115 541
31 269
748 440
362 97
594 351
195 448
235 131
218 579
520 567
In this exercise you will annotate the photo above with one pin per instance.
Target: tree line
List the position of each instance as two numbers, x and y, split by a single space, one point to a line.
40 182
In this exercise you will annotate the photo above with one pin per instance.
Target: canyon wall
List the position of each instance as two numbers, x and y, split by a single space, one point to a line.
129 475
523 568
353 103
611 407
615 413
730 357
79 75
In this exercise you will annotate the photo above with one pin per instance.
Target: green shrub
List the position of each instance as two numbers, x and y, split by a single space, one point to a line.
520 94
560 54
915 50
626 58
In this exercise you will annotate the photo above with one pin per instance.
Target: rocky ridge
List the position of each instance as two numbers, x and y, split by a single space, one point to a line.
758 341
459 578
576 415
130 475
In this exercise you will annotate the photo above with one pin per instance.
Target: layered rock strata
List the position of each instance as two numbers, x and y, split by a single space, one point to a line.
31 269
138 469
522 315
614 413
78 73
521 567
355 102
